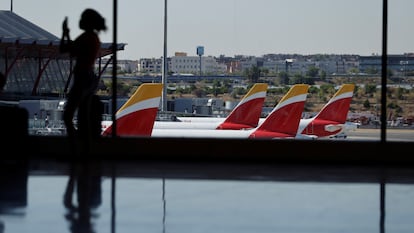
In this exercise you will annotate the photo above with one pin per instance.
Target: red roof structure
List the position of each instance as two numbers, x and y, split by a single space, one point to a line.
30 58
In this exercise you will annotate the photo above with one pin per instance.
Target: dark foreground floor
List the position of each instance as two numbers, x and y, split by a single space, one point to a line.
214 158
205 185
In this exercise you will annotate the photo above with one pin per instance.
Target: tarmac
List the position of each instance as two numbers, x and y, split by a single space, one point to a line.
392 134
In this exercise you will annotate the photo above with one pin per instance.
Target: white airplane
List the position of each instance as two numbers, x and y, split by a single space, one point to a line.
282 122
331 119
137 116
329 122
245 115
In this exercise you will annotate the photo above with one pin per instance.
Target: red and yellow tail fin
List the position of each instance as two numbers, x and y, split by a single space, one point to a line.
283 121
332 117
136 117
247 113
338 106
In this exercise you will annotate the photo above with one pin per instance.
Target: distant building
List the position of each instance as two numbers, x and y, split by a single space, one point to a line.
150 65
400 64
183 64
124 66
199 106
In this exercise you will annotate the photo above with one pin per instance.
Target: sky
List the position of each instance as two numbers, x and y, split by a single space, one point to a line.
235 27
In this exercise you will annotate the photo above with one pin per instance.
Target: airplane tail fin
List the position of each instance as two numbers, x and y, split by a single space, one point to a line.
283 121
247 113
338 106
136 117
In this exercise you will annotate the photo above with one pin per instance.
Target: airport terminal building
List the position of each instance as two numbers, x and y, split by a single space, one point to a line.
31 61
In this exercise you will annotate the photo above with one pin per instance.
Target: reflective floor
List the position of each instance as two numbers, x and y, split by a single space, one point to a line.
121 199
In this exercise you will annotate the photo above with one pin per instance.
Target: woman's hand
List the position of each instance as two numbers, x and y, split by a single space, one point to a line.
65 40
65 26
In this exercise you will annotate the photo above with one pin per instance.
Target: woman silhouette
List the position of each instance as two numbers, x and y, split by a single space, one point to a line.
85 49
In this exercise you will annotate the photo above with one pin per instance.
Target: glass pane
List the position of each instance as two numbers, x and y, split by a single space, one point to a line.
401 65
288 42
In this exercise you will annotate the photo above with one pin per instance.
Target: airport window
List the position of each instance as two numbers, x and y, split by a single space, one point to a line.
383 96
366 109
358 181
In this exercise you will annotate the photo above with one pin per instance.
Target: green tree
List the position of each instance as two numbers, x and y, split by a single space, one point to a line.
322 75
370 89
312 71
366 104
253 74
284 78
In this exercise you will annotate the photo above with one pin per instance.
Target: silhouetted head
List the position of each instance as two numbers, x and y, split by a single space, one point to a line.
92 20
